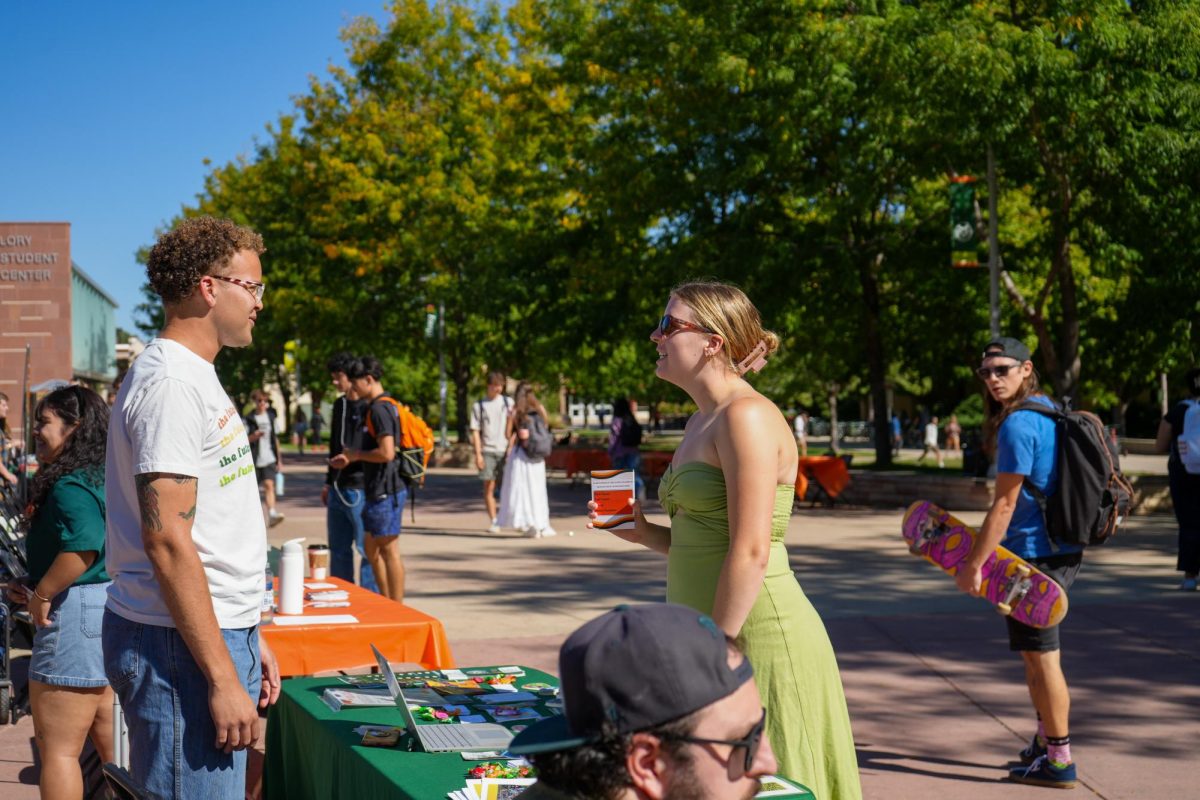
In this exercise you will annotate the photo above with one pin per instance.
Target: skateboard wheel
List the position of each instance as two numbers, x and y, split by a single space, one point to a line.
1024 570
1004 608
916 551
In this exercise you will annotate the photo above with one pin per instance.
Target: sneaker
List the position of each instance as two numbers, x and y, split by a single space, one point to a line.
493 528
1032 752
546 532
275 518
1043 773
1188 585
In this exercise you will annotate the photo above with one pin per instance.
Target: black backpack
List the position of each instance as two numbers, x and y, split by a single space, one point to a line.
1093 497
631 432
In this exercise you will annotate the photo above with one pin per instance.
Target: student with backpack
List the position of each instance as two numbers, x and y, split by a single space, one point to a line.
624 437
1179 435
1025 445
524 504
386 493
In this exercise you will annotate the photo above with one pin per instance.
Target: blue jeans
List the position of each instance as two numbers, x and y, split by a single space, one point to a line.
633 461
164 696
343 523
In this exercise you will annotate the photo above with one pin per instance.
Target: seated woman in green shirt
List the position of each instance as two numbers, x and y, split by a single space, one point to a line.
67 586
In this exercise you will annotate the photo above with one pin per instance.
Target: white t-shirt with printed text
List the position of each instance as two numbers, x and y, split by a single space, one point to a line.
173 416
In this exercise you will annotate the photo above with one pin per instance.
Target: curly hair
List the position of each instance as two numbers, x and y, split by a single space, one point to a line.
597 771
196 247
84 447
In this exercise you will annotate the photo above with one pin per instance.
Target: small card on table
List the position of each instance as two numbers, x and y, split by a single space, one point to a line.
612 492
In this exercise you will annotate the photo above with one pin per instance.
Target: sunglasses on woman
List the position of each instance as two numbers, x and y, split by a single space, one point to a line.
750 741
1001 371
668 326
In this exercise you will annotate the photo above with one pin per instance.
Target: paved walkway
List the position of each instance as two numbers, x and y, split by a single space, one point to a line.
938 704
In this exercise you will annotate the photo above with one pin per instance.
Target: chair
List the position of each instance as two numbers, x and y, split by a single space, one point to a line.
828 477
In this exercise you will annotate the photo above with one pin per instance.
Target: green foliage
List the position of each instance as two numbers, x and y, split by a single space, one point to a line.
548 171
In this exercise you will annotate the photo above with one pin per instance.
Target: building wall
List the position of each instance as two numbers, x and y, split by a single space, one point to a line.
93 330
35 306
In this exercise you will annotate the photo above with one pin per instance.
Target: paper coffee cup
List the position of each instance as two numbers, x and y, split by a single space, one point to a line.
318 562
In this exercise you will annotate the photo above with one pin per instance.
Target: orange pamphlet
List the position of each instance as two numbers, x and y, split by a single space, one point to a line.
612 492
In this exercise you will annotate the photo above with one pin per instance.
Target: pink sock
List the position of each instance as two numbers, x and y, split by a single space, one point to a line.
1059 749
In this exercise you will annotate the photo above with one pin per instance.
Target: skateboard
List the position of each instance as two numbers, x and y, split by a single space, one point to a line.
1014 586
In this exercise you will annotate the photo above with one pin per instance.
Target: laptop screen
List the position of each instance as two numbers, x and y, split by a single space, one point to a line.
394 687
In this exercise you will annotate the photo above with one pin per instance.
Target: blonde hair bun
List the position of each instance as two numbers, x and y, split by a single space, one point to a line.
726 310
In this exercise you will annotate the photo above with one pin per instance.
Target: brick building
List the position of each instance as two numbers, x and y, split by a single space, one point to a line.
50 305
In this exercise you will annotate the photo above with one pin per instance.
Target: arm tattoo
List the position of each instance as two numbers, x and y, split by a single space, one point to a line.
148 498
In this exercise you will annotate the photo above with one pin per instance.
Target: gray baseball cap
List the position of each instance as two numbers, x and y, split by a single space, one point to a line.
636 667
1007 346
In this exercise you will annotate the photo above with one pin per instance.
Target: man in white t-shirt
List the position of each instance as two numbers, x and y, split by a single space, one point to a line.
488 420
186 543
801 427
264 449
931 442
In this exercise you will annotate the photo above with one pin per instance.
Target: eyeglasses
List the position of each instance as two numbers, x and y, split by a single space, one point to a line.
750 742
669 326
986 372
253 287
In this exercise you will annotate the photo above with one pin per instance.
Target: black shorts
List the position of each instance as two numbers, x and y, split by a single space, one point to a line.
1022 637
264 474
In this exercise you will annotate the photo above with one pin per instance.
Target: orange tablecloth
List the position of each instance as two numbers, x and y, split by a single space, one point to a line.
830 471
401 634
655 463
573 461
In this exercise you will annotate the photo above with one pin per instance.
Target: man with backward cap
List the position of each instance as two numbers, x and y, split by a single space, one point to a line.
659 705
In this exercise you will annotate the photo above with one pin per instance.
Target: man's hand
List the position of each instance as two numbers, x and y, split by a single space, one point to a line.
325 495
234 715
340 461
970 579
479 461
18 590
270 669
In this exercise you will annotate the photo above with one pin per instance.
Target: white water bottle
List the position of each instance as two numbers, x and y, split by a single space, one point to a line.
291 577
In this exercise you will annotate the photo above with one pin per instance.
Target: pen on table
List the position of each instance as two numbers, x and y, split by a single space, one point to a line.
328 605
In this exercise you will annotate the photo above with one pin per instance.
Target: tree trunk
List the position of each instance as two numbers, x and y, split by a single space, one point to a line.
460 373
876 366
833 419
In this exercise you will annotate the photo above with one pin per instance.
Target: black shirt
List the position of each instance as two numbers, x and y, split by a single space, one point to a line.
381 479
346 433
1174 418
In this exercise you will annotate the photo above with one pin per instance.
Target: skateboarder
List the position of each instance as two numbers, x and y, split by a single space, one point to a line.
1023 443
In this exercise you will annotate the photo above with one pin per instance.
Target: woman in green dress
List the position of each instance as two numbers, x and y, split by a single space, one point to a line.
728 493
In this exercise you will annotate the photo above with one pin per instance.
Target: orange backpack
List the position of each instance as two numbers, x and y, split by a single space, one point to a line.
416 442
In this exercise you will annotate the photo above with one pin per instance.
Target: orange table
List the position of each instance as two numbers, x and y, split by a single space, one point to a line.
573 461
829 471
401 633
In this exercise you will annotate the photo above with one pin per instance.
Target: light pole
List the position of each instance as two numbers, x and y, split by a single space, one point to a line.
442 368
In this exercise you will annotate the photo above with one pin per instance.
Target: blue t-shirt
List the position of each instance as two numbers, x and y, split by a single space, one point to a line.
1027 445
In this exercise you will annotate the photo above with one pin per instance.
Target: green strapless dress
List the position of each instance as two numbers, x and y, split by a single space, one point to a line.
794 664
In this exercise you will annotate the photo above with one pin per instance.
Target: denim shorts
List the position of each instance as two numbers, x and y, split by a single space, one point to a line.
164 697
382 517
67 652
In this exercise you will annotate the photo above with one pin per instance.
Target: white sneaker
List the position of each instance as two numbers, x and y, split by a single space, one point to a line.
546 532
493 528
1188 585
530 532
274 518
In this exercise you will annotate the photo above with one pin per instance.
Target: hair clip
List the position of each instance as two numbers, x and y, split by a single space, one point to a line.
755 361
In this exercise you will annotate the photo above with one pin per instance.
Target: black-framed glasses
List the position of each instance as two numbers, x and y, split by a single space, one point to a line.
751 741
668 326
986 372
253 287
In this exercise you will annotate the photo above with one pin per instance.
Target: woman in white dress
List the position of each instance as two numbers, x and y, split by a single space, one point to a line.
523 502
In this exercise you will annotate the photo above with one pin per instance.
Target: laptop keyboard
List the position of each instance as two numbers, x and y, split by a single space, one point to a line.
443 737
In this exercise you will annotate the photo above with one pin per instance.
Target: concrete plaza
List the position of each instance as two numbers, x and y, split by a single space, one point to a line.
937 702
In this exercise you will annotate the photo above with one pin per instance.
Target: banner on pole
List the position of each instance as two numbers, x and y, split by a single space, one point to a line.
964 238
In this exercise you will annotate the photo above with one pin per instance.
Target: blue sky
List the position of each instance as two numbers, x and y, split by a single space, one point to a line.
108 110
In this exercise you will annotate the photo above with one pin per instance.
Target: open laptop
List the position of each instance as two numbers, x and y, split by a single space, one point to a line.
443 738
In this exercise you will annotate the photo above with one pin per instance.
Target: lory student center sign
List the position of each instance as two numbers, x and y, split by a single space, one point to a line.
48 303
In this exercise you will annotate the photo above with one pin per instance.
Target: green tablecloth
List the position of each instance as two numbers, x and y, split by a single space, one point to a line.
313 752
